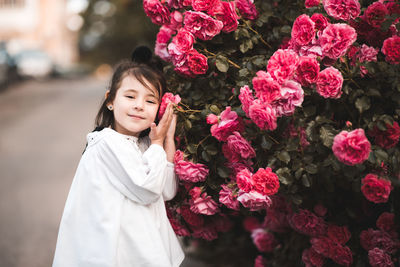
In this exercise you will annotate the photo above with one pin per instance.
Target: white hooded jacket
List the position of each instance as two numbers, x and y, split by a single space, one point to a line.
115 214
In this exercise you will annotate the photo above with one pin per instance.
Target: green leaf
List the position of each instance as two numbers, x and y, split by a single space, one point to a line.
188 125
223 172
284 156
309 111
311 168
363 103
205 156
284 176
298 173
222 64
211 150
191 148
265 144
381 155
296 199
286 29
326 134
215 109
305 180
244 72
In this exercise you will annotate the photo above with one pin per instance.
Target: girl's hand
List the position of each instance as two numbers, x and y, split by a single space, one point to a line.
158 132
171 130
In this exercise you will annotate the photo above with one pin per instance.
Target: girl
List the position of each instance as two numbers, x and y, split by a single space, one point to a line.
115 213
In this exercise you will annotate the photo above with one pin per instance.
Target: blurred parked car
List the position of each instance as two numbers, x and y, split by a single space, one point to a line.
7 67
34 63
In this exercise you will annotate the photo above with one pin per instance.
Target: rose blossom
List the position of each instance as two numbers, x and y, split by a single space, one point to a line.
247 9
342 255
311 258
311 3
307 223
267 89
323 246
282 64
266 182
386 223
203 204
338 234
277 215
197 62
189 171
336 39
292 96
378 258
351 148
167 98
229 122
342 9
206 232
260 261
388 138
212 119
163 37
303 30
263 115
190 217
178 4
158 13
246 98
178 228
226 12
250 223
307 71
263 240
237 148
228 198
203 5
329 83
370 239
254 200
376 189
320 21
244 180
176 20
375 14
201 25
183 40
367 53
391 49
221 223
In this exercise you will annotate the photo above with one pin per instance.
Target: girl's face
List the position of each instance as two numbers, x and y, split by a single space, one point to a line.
135 106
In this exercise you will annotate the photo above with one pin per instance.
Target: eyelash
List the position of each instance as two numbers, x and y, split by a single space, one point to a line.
149 101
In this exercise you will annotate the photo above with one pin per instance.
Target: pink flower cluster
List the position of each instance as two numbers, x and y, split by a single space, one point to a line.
376 189
381 243
167 98
225 124
201 19
351 148
188 171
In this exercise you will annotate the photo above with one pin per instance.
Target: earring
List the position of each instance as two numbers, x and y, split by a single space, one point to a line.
110 107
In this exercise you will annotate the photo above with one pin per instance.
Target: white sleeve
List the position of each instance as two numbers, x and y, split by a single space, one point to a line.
171 183
139 177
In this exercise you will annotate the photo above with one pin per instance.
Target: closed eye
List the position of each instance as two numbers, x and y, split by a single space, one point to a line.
129 96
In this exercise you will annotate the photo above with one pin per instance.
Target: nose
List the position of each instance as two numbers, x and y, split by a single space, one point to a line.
138 104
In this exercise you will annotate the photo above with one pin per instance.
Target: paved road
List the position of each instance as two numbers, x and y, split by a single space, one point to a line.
42 135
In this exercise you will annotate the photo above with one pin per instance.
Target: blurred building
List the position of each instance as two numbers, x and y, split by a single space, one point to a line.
47 25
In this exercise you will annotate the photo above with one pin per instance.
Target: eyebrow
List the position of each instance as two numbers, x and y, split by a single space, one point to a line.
135 91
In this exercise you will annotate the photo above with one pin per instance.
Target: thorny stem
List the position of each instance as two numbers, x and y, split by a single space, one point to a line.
202 140
256 32
214 55
273 139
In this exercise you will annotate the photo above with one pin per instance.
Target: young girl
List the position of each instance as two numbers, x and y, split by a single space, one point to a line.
115 213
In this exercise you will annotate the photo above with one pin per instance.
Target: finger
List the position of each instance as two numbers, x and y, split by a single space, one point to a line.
164 117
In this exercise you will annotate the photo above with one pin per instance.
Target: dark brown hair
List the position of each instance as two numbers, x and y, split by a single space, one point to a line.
144 73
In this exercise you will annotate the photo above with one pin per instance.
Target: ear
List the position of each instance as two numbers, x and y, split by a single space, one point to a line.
107 94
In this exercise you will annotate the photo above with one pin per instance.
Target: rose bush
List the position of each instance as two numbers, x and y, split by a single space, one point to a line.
288 134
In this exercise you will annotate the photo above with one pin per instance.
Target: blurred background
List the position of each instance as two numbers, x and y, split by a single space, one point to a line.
56 57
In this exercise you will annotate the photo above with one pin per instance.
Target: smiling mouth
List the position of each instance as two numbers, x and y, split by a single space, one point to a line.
136 117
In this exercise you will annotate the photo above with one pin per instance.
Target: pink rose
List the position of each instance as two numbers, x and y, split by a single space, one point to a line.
263 115
336 39
329 83
246 98
342 9
202 25
178 228
320 210
263 240
244 180
163 37
306 222
386 223
277 215
307 71
311 3
251 223
388 138
189 171
323 246
378 258
203 5
228 198
260 261
204 204
206 232
212 119
376 189
226 12
167 98
370 239
376 14
342 255
176 20
282 64
197 62
303 30
391 49
292 96
266 182
228 123
247 9
238 148
311 258
320 21
267 89
190 217
351 148
183 40
178 4
158 13
254 200
338 234
367 53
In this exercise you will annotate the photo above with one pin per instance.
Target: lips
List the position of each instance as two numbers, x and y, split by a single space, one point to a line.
137 117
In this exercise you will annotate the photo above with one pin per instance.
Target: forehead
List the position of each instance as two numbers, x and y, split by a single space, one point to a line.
130 82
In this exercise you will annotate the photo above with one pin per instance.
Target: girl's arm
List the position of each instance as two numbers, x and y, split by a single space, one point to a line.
171 183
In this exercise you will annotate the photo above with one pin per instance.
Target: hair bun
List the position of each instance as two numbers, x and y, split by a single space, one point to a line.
142 55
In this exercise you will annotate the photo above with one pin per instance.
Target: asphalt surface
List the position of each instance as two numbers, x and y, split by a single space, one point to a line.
43 126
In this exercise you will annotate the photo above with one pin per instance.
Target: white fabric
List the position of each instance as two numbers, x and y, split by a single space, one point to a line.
115 213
